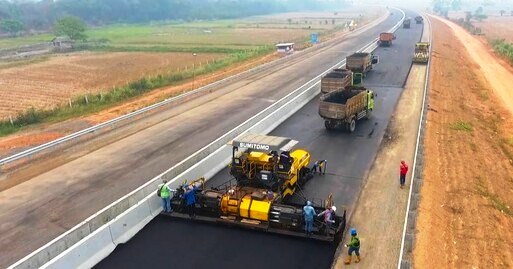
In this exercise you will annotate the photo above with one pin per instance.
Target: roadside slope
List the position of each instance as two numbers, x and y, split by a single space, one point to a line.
465 212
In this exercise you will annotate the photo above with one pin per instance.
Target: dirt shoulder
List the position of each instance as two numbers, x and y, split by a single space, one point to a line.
465 215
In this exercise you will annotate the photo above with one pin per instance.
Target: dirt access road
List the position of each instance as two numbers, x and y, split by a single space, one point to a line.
466 209
56 200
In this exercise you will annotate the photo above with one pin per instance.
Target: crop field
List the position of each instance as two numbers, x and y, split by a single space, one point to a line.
253 31
497 27
45 84
118 55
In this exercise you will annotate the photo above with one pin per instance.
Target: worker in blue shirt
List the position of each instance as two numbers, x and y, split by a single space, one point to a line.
190 200
309 213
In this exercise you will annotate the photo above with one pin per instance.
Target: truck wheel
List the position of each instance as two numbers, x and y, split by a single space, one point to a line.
328 125
352 125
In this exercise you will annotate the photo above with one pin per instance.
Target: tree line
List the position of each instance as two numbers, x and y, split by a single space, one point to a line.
17 16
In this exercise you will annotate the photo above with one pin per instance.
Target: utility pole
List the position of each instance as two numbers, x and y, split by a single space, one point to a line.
193 69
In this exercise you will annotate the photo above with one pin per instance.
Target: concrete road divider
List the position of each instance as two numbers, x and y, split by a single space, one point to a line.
94 239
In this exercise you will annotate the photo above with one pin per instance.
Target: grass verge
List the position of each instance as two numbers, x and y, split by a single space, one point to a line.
504 48
462 126
86 104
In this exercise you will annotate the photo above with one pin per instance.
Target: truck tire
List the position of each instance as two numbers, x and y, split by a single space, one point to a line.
329 126
351 126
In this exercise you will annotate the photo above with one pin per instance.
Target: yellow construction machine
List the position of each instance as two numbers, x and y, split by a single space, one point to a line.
267 172
421 54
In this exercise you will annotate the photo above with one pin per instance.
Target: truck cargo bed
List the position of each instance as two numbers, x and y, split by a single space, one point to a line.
336 80
342 104
341 97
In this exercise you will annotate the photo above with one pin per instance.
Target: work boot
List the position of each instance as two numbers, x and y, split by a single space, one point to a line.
357 259
348 259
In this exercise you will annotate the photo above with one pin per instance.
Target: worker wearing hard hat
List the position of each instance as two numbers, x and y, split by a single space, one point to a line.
354 246
309 213
329 217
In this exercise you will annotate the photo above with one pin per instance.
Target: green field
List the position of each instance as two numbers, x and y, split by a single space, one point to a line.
228 34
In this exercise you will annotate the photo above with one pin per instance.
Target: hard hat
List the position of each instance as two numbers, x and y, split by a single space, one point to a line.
308 203
353 231
334 208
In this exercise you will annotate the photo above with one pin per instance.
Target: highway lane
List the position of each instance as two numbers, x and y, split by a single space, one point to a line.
63 196
194 245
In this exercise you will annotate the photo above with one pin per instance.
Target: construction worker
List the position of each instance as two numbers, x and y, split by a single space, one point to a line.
403 170
321 165
354 246
329 218
309 213
164 192
370 100
190 200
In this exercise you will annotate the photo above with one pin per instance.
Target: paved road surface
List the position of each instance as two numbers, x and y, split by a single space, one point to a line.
193 245
57 200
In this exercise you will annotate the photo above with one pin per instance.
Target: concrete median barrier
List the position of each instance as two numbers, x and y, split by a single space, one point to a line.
85 254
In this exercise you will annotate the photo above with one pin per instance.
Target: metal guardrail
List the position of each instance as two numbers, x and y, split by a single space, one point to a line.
131 115
416 179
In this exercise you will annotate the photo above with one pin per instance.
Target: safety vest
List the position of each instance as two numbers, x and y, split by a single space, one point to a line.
164 191
354 242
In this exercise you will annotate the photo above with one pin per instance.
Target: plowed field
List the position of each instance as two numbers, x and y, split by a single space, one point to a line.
51 82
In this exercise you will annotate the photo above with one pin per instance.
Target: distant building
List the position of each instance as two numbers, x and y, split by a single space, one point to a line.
285 47
62 43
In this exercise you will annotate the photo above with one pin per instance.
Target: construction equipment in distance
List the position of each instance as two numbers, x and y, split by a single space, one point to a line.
421 54
265 177
407 22
336 79
343 108
419 20
361 62
385 39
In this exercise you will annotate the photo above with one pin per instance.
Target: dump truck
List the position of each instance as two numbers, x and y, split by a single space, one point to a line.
343 108
419 20
406 23
385 39
336 79
266 171
361 62
421 54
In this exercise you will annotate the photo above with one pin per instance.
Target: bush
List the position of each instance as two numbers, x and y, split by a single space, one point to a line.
504 48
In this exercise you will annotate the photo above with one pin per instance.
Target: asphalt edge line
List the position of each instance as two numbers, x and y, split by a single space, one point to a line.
421 120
